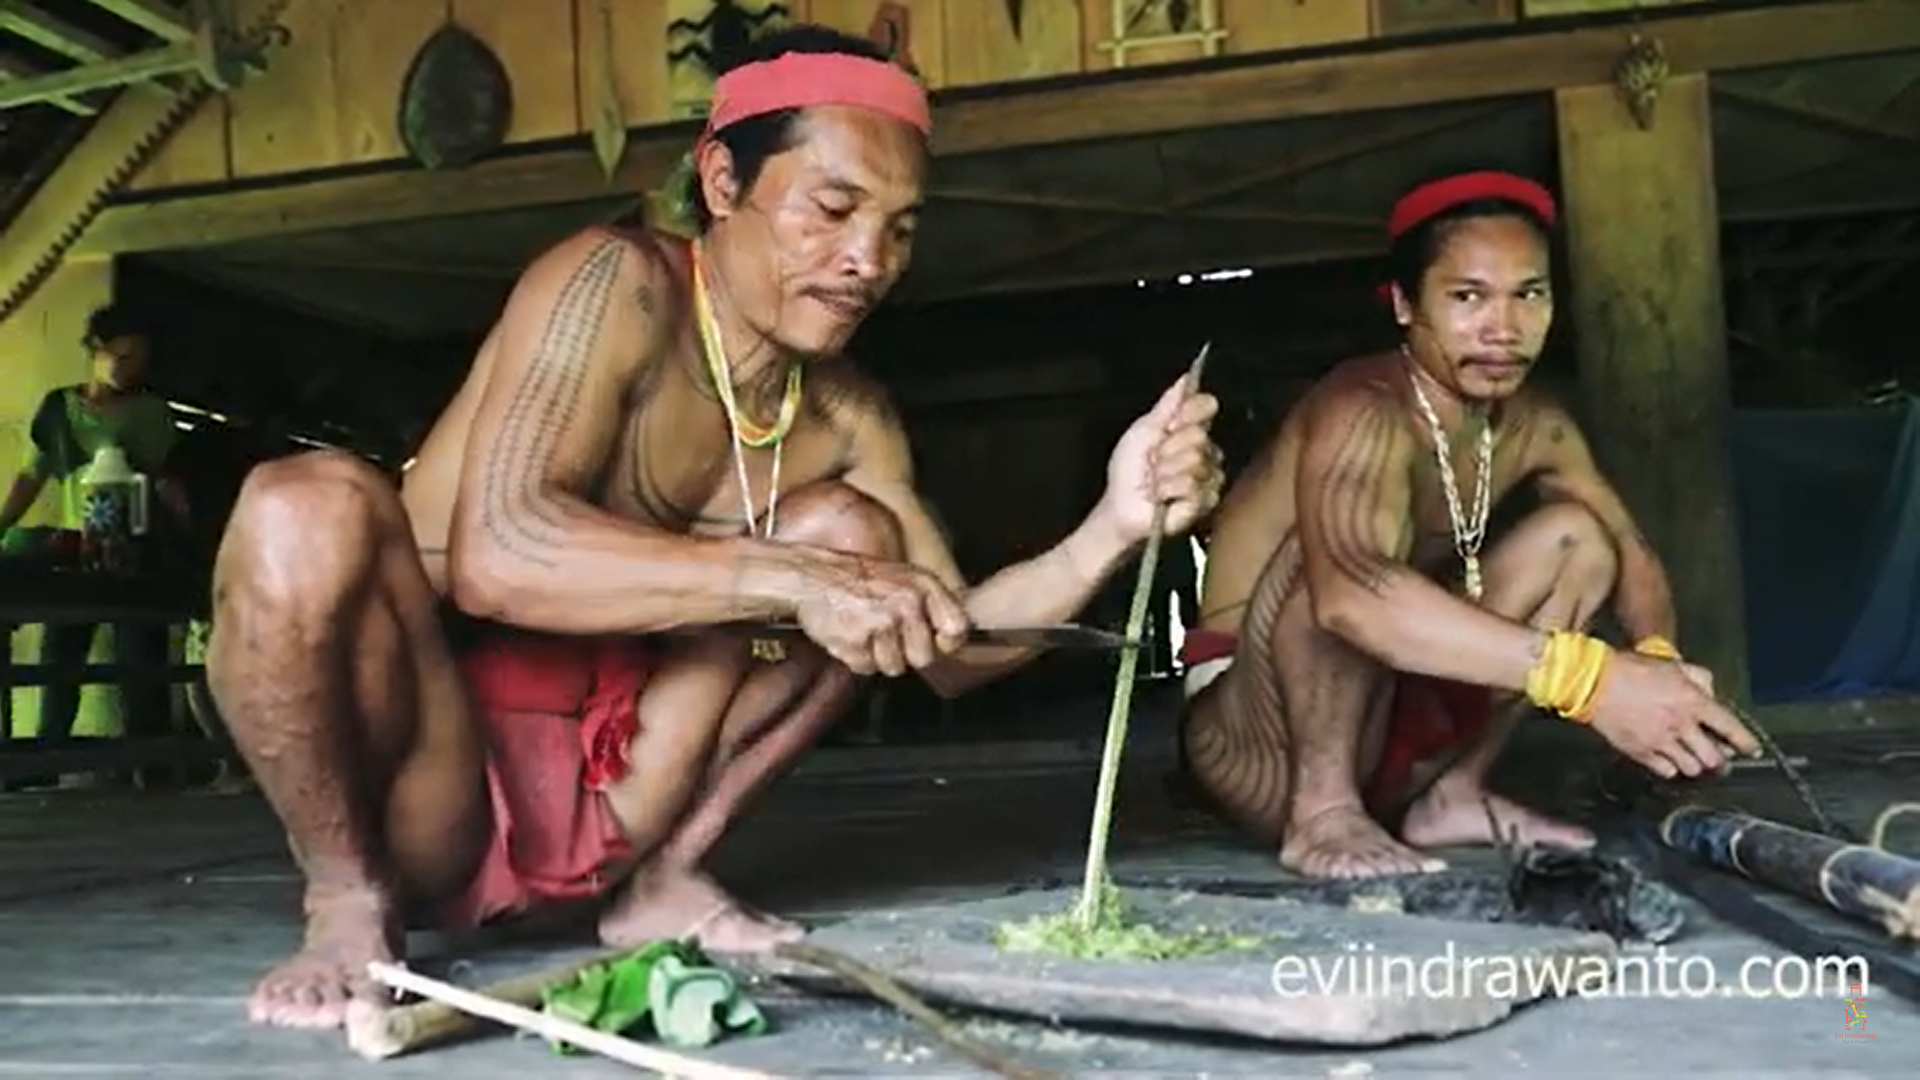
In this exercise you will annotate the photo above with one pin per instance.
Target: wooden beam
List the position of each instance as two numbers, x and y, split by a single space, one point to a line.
1844 243
1648 315
1870 281
1872 277
1045 279
1158 210
12 70
104 75
1360 246
1384 136
503 275
1869 184
161 20
1838 120
19 17
134 125
1877 251
1525 60
567 176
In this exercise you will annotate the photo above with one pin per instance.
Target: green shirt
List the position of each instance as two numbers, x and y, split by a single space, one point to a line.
67 432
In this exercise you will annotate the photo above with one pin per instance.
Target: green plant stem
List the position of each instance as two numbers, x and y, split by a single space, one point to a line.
1122 707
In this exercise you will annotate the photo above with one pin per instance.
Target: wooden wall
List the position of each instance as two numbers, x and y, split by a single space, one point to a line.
330 97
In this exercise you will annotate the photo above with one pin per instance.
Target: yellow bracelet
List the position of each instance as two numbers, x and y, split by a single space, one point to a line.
1655 645
1567 676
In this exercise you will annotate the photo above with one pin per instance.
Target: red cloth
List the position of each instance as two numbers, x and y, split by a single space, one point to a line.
559 715
1436 198
1201 646
800 80
1433 199
1427 718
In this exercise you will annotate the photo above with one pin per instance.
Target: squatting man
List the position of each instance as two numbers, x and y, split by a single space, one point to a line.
529 678
1357 664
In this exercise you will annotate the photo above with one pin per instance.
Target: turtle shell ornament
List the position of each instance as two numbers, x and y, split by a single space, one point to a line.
456 101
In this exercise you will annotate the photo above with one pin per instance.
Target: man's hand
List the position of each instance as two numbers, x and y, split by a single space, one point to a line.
1662 714
877 616
1166 456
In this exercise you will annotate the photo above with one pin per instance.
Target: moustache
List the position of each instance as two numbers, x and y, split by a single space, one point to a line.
860 299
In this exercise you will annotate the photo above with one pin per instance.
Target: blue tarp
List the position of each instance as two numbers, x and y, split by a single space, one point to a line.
1829 505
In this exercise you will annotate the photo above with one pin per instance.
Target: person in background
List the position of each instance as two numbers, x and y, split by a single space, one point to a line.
113 407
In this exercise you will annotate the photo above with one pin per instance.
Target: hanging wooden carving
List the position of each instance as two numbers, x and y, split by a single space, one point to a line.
456 100
1145 23
1640 76
609 124
892 30
704 38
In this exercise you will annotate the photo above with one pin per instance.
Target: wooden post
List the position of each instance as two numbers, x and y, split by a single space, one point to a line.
1647 314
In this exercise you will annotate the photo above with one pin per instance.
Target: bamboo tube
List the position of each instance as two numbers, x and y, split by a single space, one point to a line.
1857 880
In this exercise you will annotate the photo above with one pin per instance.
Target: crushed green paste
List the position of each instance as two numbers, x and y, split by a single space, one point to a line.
1112 937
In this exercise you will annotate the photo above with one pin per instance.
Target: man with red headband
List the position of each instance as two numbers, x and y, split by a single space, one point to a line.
546 672
1359 662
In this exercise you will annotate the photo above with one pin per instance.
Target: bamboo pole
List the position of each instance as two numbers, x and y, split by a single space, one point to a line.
1122 707
1858 880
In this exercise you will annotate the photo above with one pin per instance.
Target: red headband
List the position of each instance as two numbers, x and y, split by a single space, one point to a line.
1438 197
799 80
1432 199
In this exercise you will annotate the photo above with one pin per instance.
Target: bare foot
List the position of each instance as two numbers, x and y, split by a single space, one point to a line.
345 932
1343 842
1449 816
670 904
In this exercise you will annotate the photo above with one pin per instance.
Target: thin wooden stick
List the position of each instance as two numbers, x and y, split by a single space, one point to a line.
883 986
379 1033
552 1027
1122 707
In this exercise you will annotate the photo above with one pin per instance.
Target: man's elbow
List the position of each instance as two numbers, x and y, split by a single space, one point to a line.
1349 610
483 580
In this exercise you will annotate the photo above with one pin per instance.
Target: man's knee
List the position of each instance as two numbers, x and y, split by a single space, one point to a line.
323 480
839 516
1585 546
307 520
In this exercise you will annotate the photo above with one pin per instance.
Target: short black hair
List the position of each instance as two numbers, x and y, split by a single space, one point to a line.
111 322
1415 251
753 140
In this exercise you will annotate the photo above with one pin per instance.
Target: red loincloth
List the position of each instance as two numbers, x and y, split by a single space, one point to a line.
1206 654
1202 646
559 715
1428 718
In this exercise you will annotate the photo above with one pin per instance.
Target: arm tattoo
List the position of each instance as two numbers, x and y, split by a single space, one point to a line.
1348 498
543 406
